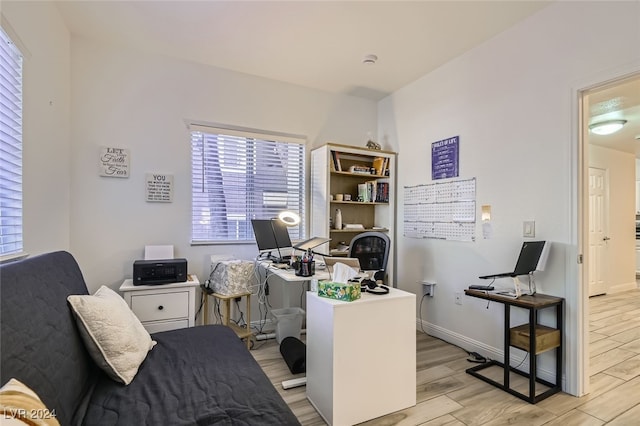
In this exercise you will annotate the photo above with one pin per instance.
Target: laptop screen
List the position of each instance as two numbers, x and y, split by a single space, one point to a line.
529 257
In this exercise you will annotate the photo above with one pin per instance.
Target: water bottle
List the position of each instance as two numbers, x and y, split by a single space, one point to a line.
338 221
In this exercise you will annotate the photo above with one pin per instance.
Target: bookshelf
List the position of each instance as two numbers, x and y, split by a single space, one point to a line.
365 176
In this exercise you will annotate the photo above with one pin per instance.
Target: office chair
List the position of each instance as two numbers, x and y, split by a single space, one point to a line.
372 250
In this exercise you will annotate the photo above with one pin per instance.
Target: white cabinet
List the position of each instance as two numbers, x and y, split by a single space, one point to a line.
163 307
361 356
361 184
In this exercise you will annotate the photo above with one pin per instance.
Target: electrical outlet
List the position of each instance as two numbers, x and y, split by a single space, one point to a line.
458 298
428 288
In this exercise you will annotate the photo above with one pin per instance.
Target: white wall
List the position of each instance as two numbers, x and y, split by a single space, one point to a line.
621 248
44 41
124 98
512 100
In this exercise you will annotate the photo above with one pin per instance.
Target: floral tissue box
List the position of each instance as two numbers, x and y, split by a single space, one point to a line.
339 291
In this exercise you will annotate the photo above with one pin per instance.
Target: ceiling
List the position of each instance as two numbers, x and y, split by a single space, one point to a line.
620 100
321 44
315 44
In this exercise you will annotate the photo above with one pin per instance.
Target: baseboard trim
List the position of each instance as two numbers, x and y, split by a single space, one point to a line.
471 345
623 287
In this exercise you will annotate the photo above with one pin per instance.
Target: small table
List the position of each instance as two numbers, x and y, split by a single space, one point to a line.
242 333
533 338
163 307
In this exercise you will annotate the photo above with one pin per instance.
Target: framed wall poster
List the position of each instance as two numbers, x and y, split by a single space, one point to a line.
445 158
114 162
159 188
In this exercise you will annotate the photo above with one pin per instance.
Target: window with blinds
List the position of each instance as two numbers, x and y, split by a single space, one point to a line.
10 147
238 176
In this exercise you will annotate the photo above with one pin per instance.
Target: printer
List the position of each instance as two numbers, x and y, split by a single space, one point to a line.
160 271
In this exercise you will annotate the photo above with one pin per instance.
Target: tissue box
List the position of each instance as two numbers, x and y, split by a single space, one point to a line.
339 291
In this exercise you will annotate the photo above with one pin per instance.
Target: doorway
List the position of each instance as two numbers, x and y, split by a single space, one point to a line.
608 161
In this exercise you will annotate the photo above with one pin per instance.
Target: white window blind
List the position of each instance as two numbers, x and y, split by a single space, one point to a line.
238 176
10 147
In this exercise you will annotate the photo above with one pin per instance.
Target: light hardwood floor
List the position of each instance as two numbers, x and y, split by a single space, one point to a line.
446 395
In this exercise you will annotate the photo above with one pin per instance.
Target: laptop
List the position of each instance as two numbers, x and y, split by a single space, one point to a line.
530 255
311 243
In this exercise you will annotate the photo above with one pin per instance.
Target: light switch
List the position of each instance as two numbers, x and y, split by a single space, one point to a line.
529 228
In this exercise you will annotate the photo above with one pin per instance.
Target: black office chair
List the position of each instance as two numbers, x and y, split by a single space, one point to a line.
372 250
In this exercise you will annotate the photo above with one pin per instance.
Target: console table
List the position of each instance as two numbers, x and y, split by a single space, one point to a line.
530 337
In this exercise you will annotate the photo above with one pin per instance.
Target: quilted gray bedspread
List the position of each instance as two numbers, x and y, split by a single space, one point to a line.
194 376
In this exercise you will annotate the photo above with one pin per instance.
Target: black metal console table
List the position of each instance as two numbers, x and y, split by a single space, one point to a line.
533 338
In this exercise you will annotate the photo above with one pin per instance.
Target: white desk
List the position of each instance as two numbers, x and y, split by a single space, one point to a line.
361 356
289 276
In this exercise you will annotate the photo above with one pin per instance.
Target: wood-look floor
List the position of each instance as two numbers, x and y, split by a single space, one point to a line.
446 395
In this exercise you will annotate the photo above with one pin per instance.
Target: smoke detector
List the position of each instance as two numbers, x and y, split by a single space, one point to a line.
369 59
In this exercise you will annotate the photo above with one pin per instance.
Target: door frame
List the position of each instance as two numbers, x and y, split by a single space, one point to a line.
579 373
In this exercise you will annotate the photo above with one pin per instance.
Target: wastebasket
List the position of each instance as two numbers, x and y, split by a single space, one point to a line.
288 322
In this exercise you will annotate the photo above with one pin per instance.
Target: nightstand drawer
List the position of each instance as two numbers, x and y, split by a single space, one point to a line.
155 327
155 307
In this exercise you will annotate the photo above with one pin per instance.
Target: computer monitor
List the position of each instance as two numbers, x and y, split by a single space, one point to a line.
271 234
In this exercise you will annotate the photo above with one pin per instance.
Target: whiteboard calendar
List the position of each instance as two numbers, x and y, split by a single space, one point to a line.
442 210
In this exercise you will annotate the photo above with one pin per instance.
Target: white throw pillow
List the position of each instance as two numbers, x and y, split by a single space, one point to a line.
113 335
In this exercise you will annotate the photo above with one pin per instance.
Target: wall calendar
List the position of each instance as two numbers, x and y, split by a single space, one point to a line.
441 210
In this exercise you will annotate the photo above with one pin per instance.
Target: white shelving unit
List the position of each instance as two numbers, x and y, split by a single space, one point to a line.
331 175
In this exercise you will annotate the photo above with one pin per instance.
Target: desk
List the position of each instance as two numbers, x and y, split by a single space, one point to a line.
532 338
289 276
361 356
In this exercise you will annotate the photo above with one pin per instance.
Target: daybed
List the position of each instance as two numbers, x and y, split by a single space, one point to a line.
194 376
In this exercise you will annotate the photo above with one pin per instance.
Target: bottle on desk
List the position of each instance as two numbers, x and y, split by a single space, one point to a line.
338 221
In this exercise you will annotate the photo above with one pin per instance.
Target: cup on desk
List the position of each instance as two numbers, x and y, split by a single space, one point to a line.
339 197
304 269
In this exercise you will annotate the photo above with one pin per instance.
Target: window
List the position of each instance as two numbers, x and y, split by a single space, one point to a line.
238 176
10 147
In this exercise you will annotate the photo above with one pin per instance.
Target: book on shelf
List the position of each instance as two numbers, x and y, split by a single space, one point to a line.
335 161
378 165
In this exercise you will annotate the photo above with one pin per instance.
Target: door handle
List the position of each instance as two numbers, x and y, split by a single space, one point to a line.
606 239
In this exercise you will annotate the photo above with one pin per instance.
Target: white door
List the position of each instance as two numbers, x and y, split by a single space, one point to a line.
598 229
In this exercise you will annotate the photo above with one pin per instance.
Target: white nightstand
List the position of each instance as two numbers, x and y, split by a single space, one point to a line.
165 306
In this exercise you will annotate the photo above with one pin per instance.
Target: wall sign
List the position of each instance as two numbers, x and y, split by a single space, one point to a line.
445 158
114 162
159 188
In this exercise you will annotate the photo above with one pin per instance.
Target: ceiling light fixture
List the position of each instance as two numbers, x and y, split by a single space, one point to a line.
607 127
369 59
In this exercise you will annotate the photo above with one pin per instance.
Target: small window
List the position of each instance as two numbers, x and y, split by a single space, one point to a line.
238 176
10 148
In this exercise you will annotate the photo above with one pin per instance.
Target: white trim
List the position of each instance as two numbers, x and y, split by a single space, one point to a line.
490 352
226 129
577 353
